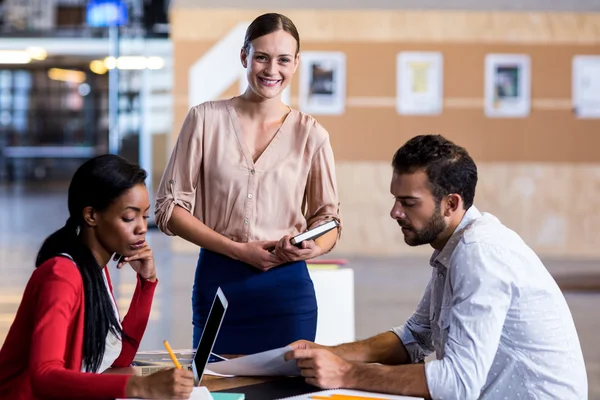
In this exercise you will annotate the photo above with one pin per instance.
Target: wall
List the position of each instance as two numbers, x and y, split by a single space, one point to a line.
535 172
493 5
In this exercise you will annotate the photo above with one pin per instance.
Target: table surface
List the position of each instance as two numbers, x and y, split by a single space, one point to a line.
214 383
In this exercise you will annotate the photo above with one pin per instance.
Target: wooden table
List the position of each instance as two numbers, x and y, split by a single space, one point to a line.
216 383
213 383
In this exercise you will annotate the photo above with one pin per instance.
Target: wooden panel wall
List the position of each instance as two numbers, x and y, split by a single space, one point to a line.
371 40
534 171
370 127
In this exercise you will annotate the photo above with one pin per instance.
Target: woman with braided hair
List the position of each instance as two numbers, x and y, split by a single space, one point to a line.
67 330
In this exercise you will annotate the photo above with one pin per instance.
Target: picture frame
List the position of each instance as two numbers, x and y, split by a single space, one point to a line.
419 83
507 85
322 79
586 86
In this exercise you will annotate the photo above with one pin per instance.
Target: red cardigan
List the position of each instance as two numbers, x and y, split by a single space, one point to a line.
42 355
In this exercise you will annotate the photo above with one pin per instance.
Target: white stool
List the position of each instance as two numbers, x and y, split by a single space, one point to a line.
335 298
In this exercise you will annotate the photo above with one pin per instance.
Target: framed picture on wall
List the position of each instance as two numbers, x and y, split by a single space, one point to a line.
507 85
322 82
419 83
586 86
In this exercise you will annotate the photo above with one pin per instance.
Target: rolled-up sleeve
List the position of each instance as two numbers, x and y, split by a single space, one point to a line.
322 202
181 175
415 334
481 297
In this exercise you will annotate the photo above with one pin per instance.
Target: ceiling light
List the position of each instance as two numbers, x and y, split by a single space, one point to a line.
37 53
66 75
14 57
98 67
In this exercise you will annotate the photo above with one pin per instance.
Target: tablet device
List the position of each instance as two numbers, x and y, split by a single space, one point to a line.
314 233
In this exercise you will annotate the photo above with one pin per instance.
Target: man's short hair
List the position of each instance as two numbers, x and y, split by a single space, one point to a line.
449 167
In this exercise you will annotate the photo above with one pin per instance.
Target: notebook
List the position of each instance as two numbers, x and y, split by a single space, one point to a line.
228 396
199 393
345 394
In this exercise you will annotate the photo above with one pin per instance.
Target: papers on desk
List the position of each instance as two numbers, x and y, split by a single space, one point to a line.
343 394
199 393
268 363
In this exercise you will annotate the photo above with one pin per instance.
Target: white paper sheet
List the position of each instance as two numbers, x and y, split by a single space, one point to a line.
507 85
419 83
199 393
268 363
586 86
322 82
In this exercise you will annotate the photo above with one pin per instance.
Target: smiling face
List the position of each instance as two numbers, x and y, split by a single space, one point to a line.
270 63
416 209
122 227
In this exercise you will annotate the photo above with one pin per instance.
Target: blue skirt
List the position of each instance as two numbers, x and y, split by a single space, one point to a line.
266 310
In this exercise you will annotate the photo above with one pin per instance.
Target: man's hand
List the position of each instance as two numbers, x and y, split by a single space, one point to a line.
304 344
320 367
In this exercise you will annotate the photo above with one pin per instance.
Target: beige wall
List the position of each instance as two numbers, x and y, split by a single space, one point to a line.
535 173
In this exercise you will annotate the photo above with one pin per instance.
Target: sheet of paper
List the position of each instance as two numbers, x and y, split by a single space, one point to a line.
207 371
344 394
268 363
586 86
199 393
419 83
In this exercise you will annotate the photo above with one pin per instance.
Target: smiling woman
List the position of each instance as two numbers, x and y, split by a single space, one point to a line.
248 173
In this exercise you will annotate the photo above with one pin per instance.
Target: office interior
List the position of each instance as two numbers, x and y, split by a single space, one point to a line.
72 87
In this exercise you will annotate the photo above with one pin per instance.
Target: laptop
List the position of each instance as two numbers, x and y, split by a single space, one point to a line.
203 353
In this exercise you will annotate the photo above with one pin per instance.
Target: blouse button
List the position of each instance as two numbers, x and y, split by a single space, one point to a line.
252 171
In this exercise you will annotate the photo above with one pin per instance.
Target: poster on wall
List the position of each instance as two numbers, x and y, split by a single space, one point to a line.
586 86
419 83
322 82
507 85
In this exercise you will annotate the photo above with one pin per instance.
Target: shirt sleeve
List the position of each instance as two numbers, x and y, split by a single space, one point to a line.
181 175
482 292
415 334
321 200
57 300
135 322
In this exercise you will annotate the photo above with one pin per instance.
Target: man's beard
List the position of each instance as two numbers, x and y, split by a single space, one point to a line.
434 227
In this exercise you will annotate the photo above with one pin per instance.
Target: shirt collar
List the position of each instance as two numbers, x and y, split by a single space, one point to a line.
442 257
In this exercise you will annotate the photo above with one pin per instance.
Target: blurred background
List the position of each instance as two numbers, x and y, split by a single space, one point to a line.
515 82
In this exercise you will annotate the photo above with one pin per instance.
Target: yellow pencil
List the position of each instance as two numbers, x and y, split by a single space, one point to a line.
175 361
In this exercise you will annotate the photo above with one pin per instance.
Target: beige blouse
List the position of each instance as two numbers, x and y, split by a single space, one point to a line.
290 188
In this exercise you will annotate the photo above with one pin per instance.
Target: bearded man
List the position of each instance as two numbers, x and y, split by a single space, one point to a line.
493 315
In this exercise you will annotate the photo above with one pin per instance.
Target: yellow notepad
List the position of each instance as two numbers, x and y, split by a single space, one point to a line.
344 394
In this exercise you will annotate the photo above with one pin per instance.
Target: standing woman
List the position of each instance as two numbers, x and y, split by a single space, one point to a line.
67 330
246 174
